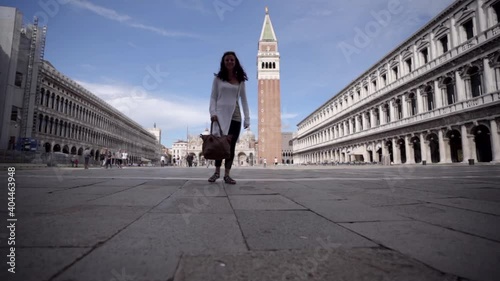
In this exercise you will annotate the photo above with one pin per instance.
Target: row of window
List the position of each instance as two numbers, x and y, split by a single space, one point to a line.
56 127
466 32
268 65
393 112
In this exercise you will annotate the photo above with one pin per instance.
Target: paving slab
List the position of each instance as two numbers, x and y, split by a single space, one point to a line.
150 248
440 248
483 225
485 194
50 202
146 242
310 193
298 265
194 205
82 226
411 193
165 182
263 202
143 195
261 187
349 211
272 230
376 200
40 264
201 188
487 207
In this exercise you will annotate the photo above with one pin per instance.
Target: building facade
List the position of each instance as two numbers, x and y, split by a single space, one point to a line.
45 112
70 118
434 98
244 154
21 53
269 100
287 148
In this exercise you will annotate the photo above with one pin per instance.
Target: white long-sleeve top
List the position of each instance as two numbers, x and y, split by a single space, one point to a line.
223 103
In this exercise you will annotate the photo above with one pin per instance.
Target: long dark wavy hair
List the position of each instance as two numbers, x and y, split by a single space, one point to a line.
223 72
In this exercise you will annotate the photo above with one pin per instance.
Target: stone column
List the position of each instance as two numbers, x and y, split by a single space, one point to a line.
465 144
384 152
381 115
481 17
396 151
366 155
423 148
468 89
495 141
410 153
437 94
460 87
404 106
391 110
453 34
472 147
425 106
489 78
442 154
442 145
364 122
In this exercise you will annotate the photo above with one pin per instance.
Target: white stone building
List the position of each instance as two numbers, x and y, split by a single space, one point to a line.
434 98
47 113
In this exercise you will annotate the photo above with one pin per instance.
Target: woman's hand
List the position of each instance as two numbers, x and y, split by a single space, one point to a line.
213 118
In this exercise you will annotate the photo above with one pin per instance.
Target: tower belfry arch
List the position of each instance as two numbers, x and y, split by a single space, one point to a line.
269 97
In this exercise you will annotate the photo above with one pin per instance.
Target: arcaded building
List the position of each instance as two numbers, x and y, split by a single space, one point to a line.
45 112
69 118
434 98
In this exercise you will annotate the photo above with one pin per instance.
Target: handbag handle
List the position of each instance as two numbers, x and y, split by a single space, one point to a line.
212 127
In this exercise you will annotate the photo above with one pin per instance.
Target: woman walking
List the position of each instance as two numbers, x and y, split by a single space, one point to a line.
227 89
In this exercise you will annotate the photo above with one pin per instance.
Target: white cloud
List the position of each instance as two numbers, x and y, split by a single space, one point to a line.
163 32
104 12
171 114
126 19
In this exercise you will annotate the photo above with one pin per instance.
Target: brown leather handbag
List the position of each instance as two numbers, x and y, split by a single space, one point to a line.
216 147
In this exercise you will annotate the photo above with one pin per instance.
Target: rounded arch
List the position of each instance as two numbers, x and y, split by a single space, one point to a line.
57 148
455 141
65 149
417 149
48 147
402 149
73 150
432 139
482 138
80 151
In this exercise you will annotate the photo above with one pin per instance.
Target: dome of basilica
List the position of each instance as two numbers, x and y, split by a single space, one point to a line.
248 134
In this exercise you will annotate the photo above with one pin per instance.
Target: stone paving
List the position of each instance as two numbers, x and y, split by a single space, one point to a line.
371 223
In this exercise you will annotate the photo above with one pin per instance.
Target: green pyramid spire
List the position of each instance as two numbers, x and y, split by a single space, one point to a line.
267 33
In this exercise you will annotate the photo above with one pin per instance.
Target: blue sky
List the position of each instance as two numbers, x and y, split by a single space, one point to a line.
154 60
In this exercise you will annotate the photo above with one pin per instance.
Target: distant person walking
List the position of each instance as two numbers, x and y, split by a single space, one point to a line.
86 156
227 89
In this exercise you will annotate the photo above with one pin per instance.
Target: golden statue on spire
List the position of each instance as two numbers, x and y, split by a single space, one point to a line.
267 10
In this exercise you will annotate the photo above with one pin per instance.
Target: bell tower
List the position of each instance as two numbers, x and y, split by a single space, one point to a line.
269 101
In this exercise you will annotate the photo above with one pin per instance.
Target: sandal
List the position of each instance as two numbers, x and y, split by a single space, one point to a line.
214 177
229 180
